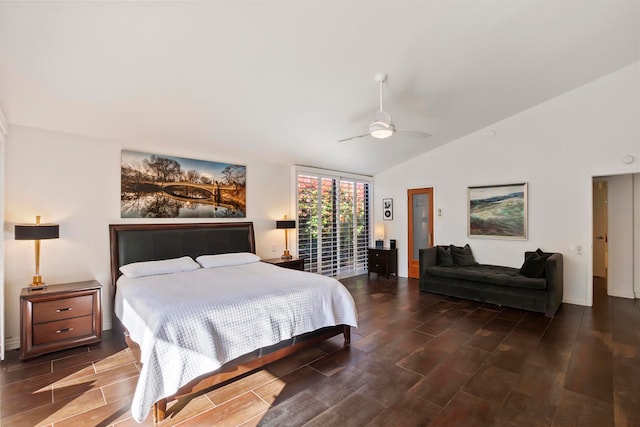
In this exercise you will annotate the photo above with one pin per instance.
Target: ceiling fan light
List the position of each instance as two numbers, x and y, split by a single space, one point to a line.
382 133
381 130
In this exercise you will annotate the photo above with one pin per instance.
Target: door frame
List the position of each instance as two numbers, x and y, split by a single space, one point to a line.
411 264
3 133
588 189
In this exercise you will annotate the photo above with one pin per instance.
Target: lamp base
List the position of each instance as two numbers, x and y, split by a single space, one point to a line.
37 281
286 255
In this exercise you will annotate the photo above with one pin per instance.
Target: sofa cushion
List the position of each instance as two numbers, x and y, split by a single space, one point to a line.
463 256
534 264
444 257
493 274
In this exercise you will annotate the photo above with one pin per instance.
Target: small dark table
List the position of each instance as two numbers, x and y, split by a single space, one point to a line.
383 261
57 317
294 263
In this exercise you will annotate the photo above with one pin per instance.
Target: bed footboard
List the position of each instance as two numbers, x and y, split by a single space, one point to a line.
235 369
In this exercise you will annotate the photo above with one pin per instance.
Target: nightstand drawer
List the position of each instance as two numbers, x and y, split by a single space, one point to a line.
62 330
379 265
63 308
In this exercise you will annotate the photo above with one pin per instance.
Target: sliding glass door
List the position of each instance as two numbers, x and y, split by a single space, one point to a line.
333 223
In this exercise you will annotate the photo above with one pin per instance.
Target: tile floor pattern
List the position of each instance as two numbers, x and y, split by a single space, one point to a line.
417 359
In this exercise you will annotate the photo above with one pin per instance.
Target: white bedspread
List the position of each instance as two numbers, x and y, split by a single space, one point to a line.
191 323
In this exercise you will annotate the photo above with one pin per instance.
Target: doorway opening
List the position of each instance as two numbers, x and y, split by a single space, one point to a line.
615 235
600 232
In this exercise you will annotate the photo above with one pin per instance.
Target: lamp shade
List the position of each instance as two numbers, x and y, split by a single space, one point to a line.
286 224
37 231
378 230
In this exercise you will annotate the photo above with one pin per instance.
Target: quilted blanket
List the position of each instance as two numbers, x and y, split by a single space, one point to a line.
190 323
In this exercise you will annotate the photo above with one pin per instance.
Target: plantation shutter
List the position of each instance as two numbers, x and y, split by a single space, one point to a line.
333 223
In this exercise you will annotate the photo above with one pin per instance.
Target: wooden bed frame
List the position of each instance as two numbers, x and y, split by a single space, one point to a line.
147 242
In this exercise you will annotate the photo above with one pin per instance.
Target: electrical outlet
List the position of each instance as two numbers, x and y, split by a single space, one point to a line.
273 248
579 249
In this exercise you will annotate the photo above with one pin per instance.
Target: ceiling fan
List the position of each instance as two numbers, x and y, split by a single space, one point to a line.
382 125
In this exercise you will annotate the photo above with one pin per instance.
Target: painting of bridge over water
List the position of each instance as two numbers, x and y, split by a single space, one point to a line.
159 186
498 211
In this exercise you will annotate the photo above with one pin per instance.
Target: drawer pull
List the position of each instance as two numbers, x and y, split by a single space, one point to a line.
59 331
60 310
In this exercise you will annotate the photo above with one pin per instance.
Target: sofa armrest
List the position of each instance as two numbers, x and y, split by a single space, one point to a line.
554 271
427 258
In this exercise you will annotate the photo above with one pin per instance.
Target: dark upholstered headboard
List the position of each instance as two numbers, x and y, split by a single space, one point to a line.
149 242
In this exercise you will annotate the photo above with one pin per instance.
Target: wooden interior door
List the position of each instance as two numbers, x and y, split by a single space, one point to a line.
420 202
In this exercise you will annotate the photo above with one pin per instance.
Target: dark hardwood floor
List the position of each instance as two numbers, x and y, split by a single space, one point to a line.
417 359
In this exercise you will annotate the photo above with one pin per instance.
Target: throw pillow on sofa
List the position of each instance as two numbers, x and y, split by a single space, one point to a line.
444 257
534 264
462 255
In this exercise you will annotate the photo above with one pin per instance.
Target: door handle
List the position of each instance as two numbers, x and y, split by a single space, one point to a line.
600 237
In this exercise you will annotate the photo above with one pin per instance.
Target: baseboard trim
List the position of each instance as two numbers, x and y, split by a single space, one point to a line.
576 301
12 344
620 293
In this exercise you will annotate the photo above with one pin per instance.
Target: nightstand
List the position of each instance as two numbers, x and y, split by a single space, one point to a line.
293 263
57 317
383 261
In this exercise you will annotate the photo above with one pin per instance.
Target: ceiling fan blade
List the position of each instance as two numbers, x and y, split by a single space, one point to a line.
353 137
415 133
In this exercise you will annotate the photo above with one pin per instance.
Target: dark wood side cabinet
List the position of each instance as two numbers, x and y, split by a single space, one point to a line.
383 261
57 317
294 263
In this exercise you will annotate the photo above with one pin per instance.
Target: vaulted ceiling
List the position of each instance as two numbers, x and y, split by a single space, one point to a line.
284 80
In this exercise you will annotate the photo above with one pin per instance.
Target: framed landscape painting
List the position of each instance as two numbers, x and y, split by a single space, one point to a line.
498 211
160 186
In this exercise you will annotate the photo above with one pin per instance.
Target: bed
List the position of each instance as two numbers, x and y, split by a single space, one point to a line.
196 327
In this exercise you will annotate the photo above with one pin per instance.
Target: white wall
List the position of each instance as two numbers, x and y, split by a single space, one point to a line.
75 181
620 235
556 147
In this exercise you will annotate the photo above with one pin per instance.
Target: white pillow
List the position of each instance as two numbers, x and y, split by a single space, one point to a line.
225 260
165 266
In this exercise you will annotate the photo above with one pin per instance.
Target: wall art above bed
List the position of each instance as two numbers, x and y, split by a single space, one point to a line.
159 186
498 211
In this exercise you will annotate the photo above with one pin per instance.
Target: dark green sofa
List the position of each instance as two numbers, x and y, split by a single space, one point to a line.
494 284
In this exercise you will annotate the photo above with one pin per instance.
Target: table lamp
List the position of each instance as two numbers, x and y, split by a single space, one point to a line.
378 231
286 225
37 232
